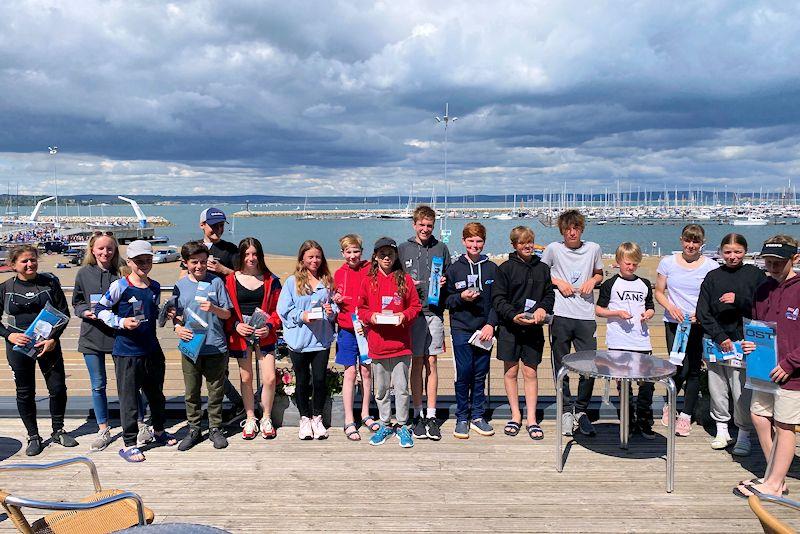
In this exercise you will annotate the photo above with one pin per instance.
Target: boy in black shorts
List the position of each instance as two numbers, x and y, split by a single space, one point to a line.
522 296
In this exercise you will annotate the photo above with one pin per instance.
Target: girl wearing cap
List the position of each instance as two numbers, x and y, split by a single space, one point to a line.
308 316
677 290
726 298
389 291
775 416
22 297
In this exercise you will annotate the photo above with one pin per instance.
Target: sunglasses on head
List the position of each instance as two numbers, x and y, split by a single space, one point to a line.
98 233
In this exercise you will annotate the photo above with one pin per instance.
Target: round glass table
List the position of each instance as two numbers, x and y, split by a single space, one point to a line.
626 367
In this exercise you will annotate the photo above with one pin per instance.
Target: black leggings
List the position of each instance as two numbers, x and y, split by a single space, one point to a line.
52 367
688 374
309 371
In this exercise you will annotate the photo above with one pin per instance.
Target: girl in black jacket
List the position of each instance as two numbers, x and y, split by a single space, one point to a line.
22 297
726 297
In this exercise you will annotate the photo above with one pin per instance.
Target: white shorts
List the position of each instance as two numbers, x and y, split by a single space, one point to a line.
784 406
427 335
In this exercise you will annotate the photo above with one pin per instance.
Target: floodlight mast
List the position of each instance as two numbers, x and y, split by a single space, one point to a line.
447 119
53 151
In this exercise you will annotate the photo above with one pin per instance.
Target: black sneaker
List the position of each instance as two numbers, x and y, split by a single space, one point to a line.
646 430
35 446
585 426
63 439
217 438
420 432
192 438
432 429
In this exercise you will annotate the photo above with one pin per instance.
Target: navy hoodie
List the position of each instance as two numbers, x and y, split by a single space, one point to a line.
470 316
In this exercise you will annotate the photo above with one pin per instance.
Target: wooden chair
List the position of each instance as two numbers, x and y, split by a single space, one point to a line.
770 523
101 512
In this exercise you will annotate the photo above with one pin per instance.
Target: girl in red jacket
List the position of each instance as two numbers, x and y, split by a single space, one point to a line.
388 296
347 280
252 286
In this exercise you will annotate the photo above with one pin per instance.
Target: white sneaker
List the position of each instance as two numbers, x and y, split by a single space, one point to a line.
267 430
319 430
145 434
720 442
305 431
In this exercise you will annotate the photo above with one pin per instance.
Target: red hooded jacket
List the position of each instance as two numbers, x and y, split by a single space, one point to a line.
269 305
347 282
388 341
781 303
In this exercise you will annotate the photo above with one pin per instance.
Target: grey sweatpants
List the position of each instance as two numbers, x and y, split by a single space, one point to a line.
724 381
388 373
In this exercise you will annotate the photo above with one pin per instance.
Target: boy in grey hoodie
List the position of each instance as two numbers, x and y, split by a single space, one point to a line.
427 331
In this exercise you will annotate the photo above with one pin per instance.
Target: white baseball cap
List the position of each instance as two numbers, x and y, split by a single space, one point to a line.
139 248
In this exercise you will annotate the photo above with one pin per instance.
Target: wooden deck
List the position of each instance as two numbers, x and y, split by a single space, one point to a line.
497 484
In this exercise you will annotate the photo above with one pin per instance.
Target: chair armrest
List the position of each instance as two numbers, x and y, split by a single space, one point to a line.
69 461
783 501
21 502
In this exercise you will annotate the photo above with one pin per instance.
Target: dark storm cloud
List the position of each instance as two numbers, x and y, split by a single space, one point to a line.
340 96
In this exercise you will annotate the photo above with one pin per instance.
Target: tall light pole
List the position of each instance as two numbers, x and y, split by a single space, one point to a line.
53 151
447 119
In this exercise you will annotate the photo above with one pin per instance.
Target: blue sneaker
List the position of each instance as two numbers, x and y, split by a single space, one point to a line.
404 435
461 431
380 437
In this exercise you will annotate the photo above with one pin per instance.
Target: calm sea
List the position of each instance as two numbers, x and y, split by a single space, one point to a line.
283 235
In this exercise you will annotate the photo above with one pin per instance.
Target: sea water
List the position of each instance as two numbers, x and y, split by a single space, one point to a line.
283 235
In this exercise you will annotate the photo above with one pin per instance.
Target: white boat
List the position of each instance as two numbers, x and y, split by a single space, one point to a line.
503 217
750 221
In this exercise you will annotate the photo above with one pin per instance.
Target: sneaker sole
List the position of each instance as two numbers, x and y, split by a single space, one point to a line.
461 436
717 447
434 438
649 436
481 432
405 446
378 443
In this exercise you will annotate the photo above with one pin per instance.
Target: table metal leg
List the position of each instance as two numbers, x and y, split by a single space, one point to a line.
671 398
624 414
559 412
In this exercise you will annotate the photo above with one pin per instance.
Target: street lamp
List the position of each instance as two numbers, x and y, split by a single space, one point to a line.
53 151
447 119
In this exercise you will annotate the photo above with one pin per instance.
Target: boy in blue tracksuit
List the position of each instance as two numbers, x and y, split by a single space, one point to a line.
469 299
130 306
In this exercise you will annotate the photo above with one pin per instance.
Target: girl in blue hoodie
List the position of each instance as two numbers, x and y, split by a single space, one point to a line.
469 299
308 316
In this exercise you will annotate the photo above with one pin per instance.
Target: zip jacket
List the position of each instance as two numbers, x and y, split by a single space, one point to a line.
416 259
388 341
96 336
22 300
470 316
348 284
313 335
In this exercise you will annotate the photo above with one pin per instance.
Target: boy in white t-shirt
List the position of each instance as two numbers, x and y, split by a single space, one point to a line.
576 267
626 301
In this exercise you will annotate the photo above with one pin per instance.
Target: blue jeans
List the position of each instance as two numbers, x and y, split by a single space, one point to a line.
472 366
96 364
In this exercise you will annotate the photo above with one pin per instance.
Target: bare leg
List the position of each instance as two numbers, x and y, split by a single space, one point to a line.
246 377
268 379
432 374
531 381
763 426
348 392
511 372
366 389
782 460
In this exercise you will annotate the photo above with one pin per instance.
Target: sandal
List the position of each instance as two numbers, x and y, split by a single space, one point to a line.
512 428
747 483
373 426
165 438
353 435
535 432
128 455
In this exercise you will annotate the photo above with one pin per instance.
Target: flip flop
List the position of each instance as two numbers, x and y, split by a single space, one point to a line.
747 483
373 426
353 435
739 493
165 438
512 428
128 455
535 432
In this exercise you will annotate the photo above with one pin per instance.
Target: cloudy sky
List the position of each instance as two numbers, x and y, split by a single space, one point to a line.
339 97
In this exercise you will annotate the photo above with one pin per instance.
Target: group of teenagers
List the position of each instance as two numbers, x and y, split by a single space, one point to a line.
502 307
